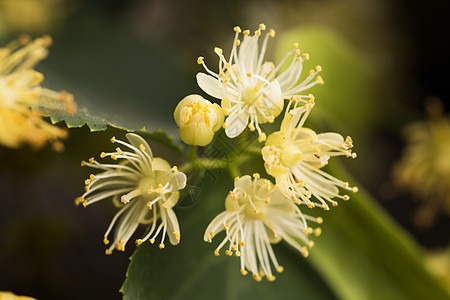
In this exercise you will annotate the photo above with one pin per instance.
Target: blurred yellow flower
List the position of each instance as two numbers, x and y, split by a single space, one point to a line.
11 296
425 166
32 16
23 100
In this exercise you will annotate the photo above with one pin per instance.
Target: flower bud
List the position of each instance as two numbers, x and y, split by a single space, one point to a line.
198 119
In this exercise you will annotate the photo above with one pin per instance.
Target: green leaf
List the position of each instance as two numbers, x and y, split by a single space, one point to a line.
95 123
191 271
364 254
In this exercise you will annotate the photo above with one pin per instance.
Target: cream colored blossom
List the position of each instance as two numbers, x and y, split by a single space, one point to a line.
295 155
23 100
252 89
144 187
257 215
198 119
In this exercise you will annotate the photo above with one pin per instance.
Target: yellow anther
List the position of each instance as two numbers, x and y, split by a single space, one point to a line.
345 197
262 26
299 59
237 42
242 243
216 252
234 248
209 240
246 32
105 241
249 74
280 269
224 125
141 146
334 203
211 233
79 200
226 226
218 50
345 184
87 181
200 60
272 33
318 68
325 207
304 252
108 252
311 72
91 160
113 156
244 194
318 231
257 277
237 253
86 188
161 246
119 150
256 175
176 234
236 178
270 277
354 155
237 29
92 176
103 155
319 220
152 241
244 272
138 241
83 163
297 51
320 80
295 45
311 97
355 189
306 56
267 200
229 253
175 169
310 244
251 127
258 32
262 137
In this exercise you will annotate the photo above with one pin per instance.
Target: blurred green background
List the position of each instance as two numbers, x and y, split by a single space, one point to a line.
130 62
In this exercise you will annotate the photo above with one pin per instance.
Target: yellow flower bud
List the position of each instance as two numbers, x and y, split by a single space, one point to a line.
198 119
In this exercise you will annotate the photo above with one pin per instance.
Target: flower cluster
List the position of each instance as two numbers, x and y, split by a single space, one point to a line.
23 100
256 216
145 188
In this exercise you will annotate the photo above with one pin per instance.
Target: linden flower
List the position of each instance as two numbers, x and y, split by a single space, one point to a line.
23 100
198 119
252 90
295 155
145 187
424 168
256 216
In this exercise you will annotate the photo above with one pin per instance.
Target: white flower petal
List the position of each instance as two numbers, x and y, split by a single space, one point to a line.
236 123
210 85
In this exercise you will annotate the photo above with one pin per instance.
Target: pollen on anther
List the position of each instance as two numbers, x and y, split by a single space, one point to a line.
114 157
141 146
105 241
237 42
246 32
306 56
103 155
319 220
317 231
237 29
216 252
200 60
161 246
91 160
280 269
218 50
345 197
320 80
355 189
138 241
244 272
256 175
249 74
295 45
272 33
113 139
152 241
83 163
108 252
